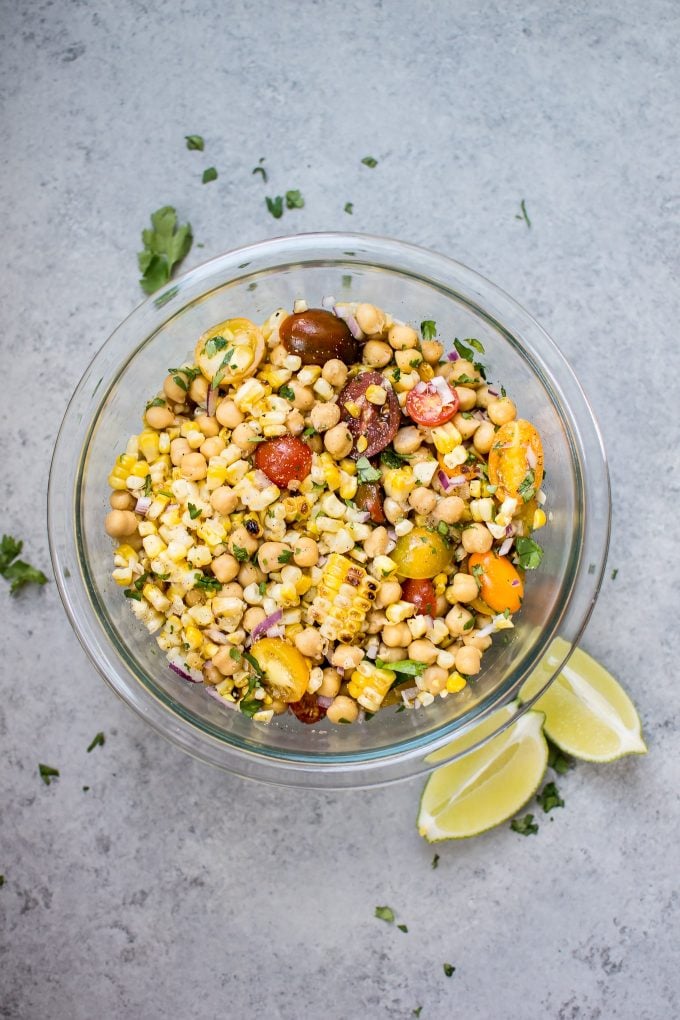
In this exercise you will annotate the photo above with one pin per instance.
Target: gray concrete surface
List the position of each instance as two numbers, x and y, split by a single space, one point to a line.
168 889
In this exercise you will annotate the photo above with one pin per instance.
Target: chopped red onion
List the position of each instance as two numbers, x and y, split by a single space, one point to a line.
143 505
452 356
362 516
391 533
264 625
211 402
218 637
184 676
353 325
506 547
531 458
444 481
443 389
515 584
494 393
456 480
324 702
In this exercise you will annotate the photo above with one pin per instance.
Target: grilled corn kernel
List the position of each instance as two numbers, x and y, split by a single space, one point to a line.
399 482
122 576
368 685
400 611
344 595
352 409
475 489
383 566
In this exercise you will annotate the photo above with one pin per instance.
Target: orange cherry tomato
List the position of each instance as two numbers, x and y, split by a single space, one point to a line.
500 586
516 460
425 403
285 670
421 593
283 459
229 351
421 553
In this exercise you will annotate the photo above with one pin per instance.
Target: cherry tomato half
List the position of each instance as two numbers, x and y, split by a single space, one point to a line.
421 553
284 459
426 403
316 336
307 709
516 460
284 668
369 496
500 586
421 593
378 423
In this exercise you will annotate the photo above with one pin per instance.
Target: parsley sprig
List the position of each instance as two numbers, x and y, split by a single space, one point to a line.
165 244
16 571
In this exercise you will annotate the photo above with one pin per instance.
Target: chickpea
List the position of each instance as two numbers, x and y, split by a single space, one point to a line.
305 552
315 443
423 650
396 635
450 509
442 606
119 523
342 709
211 675
393 511
295 423
324 416
338 441
465 368
179 448
392 654
278 356
269 556
407 440
120 500
408 359
477 538
464 588
375 621
468 660
347 656
228 414
467 398
159 417
279 707
252 618
467 426
172 390
501 411
432 351
194 598
243 434
335 373
445 370
304 398
459 621
434 679
193 466
484 437
198 390
250 574
208 425
242 539
330 685
225 568
402 337
224 500
309 642
223 661
134 541
483 397
423 500
212 447
388 592
370 319
376 543
377 354
475 641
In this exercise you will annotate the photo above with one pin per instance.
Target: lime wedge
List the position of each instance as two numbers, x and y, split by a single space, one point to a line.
486 786
587 712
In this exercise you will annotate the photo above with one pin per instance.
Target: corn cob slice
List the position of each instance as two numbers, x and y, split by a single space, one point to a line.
344 596
369 685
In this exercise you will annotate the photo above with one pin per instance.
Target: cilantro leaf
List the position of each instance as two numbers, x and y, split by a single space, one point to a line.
391 459
558 761
286 556
214 345
286 392
525 826
549 798
349 208
529 552
194 511
275 206
526 488
195 142
385 914
428 329
249 706
207 584
17 572
369 161
294 200
366 472
449 969
417 1011
165 244
407 666
402 927
240 553
47 773
209 174
97 741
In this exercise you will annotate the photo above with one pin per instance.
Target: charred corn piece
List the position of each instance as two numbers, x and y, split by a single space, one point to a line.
369 685
344 596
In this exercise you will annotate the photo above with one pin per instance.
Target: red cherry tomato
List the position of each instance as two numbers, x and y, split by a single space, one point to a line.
283 460
307 709
377 423
421 593
425 403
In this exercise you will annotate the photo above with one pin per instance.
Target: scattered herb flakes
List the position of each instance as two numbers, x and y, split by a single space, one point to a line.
524 215
525 826
614 573
156 402
349 208
214 345
294 200
549 798
417 1011
529 552
366 472
97 741
17 572
165 244
195 142
370 161
235 654
286 556
85 789
558 761
310 431
527 489
240 553
47 773
428 329
287 392
249 706
435 861
209 174
385 914
194 511
275 206
254 663
261 170
449 969
208 584
403 927
391 459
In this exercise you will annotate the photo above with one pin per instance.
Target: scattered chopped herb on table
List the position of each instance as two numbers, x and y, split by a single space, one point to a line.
195 142
209 174
524 215
369 161
349 207
17 572
98 741
449 969
385 914
165 244
549 798
47 773
525 826
294 200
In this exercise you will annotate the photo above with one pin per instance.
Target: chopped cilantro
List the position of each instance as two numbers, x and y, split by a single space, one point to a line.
209 174
524 215
194 511
235 654
391 459
396 374
195 142
549 798
407 666
435 861
47 773
526 488
349 207
221 371
402 927
254 663
557 760
286 392
469 624
17 572
249 706
130 593
614 573
240 553
401 708
443 529
428 329
262 587
275 206
165 244
294 200
156 402
310 431
366 472
97 741
214 345
385 914
525 826
449 969
529 552
369 161
207 584
286 556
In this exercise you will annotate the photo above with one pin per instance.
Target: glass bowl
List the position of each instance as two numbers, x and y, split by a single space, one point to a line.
413 284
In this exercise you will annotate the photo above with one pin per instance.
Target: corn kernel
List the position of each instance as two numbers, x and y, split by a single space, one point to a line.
383 566
348 487
153 546
349 466
193 637
539 519
362 444
156 597
400 611
446 438
376 395
455 683
122 576
475 489
353 409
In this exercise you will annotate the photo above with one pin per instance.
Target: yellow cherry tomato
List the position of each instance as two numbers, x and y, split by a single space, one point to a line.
516 460
500 586
421 554
229 351
285 669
